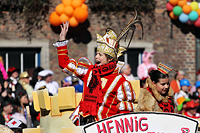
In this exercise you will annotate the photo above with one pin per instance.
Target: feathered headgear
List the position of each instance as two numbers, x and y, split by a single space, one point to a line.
109 42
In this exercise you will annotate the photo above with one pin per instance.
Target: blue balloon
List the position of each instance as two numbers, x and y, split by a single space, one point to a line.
183 17
193 15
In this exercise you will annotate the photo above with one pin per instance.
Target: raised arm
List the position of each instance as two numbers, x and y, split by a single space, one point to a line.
67 65
64 30
61 45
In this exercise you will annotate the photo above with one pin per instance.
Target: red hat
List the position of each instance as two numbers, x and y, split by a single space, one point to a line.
191 104
11 70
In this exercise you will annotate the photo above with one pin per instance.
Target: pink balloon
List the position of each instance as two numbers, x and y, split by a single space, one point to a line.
169 7
197 22
189 22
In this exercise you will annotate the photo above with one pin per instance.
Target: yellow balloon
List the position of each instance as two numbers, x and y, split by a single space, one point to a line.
194 5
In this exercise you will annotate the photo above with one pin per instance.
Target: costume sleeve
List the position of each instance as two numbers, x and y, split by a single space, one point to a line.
67 65
63 58
125 96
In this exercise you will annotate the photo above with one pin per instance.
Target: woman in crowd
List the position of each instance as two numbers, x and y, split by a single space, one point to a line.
20 107
158 96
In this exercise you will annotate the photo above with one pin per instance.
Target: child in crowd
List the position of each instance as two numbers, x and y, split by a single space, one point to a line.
184 92
197 86
191 110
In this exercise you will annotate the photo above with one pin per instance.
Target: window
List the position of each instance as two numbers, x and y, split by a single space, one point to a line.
24 54
133 57
26 59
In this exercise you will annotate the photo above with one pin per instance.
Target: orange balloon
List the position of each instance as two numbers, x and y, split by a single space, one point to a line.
84 6
172 16
54 19
187 9
76 3
173 2
83 1
198 11
60 9
73 22
181 3
64 18
80 14
67 2
69 10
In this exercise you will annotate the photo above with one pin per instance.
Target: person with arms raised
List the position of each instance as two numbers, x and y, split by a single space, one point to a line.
106 92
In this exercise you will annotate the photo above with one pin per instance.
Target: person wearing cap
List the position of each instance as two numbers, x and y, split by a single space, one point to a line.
67 81
175 84
7 109
157 96
184 92
191 110
14 87
126 72
77 86
24 81
196 86
106 92
35 77
47 81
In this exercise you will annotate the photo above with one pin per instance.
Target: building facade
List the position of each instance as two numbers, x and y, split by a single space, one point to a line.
175 43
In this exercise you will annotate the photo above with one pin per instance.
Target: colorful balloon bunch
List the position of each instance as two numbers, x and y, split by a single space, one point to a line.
74 11
184 11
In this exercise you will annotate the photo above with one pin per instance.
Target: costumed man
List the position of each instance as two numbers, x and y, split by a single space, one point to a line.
24 81
47 81
106 92
144 68
14 87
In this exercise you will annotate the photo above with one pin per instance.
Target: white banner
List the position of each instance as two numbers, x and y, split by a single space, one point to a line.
145 122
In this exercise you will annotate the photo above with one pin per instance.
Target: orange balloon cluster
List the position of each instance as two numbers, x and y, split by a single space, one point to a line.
74 11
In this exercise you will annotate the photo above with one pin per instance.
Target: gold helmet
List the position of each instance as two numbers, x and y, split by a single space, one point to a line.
109 42
24 75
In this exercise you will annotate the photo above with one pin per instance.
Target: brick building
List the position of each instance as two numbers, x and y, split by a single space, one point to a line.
175 43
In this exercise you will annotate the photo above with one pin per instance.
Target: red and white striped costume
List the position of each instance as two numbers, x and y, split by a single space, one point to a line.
118 94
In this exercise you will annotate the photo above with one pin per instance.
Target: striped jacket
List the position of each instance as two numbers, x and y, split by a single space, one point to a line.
118 94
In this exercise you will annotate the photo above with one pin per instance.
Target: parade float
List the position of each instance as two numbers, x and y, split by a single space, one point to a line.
55 111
